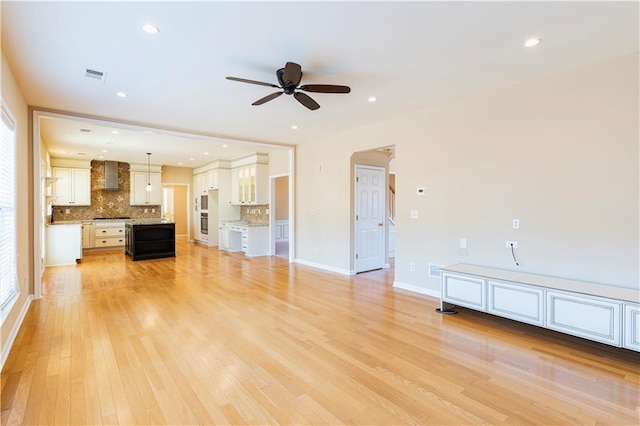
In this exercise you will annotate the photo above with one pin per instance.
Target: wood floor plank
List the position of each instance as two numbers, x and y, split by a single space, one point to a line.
211 337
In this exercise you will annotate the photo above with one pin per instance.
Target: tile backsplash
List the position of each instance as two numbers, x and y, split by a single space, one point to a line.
255 215
106 203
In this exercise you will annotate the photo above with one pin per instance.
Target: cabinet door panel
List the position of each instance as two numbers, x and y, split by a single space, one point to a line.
589 317
464 291
62 187
516 301
81 187
632 326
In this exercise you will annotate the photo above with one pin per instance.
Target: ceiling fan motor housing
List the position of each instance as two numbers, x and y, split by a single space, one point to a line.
288 87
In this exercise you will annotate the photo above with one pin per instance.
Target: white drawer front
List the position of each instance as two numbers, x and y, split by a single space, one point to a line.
631 326
516 301
589 317
464 291
108 232
109 242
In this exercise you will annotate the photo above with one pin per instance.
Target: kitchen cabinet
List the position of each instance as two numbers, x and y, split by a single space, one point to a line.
88 236
63 244
139 196
250 184
211 180
255 240
109 234
199 185
150 240
72 186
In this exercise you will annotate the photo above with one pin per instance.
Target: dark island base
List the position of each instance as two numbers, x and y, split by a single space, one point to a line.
150 240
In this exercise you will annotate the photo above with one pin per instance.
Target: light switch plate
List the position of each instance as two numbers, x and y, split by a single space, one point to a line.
414 214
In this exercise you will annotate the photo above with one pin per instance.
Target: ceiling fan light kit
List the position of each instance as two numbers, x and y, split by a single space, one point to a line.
289 78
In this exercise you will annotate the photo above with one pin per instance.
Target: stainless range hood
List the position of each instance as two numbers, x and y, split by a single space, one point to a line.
111 175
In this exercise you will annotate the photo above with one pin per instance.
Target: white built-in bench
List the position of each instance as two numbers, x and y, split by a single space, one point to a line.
603 313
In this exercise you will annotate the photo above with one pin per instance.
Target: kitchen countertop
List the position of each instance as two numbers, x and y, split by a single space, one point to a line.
243 223
148 221
67 222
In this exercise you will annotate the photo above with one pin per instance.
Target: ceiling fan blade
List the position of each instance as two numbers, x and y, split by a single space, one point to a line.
292 73
325 88
305 100
267 98
244 80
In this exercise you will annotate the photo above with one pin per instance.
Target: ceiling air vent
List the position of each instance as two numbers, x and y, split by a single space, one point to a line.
85 130
96 75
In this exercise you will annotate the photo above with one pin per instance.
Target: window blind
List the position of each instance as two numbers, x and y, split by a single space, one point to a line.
8 222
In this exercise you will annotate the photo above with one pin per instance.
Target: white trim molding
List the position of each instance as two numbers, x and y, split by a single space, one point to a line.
14 331
416 289
325 267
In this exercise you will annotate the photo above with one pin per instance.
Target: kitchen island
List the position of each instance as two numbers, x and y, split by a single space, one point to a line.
150 239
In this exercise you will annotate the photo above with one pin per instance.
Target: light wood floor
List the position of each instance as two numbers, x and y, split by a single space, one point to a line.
211 337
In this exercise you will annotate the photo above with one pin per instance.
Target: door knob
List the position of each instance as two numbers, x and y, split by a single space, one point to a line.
380 224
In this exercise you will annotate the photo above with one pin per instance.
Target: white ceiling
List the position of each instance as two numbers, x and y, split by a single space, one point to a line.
409 55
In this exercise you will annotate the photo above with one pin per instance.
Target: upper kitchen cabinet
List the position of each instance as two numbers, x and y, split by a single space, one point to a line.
206 178
139 196
250 180
73 184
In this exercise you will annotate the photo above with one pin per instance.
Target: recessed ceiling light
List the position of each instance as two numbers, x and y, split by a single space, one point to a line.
63 152
294 127
121 94
532 42
225 145
180 164
102 156
150 28
372 99
104 150
191 158
206 153
115 132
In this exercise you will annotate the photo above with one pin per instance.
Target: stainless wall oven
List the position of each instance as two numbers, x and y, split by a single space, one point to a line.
204 223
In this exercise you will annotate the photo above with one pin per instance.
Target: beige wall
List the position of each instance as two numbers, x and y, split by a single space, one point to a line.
279 162
282 198
13 98
559 153
171 174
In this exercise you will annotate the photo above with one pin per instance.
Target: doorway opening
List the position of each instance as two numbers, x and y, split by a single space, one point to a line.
373 209
175 207
280 210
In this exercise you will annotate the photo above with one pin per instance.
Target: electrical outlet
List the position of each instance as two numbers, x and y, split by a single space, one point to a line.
412 266
153 210
463 243
146 210
507 244
515 223
67 211
414 214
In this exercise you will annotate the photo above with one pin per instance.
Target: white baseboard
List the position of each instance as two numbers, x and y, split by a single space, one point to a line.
417 289
14 331
325 267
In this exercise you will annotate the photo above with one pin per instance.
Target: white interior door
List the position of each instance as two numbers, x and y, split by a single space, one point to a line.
370 217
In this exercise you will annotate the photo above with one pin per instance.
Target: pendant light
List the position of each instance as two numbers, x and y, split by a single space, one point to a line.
149 187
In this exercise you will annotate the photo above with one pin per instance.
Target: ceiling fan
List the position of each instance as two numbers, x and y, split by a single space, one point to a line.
289 78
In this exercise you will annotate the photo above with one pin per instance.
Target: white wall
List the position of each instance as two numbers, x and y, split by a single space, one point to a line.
560 153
